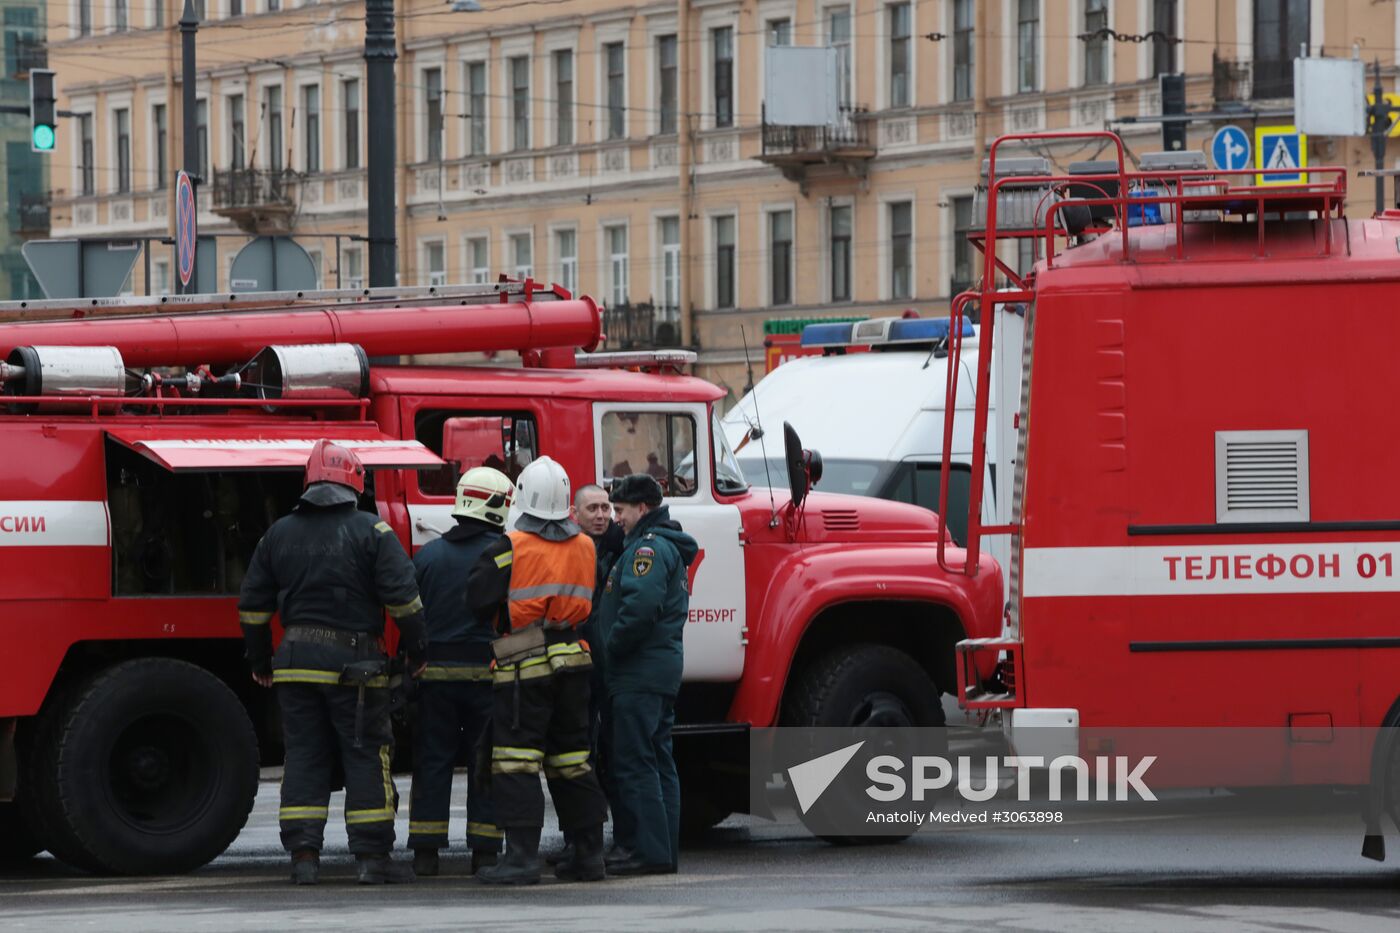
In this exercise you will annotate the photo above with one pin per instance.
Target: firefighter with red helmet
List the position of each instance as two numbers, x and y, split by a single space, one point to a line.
454 693
537 584
330 571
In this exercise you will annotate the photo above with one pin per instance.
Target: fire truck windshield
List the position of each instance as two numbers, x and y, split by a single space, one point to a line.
729 476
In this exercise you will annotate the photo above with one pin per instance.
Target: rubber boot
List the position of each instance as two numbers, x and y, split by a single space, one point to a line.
425 863
521 864
380 869
587 861
483 860
564 854
306 866
617 855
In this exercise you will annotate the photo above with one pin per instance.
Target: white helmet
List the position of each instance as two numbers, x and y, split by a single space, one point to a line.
543 490
485 494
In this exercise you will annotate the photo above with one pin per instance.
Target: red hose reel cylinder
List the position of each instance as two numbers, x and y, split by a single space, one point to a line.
231 337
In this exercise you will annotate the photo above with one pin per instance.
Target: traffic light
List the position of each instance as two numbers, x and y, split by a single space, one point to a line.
1173 88
43 110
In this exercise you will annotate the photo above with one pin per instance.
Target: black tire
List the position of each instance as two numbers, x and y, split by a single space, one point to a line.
17 843
150 767
863 685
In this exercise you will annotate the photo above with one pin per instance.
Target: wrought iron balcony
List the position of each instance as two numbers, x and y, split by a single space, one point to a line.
258 201
642 326
795 148
33 216
1231 79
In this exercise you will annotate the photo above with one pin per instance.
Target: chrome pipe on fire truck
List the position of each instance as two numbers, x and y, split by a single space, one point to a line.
309 371
64 371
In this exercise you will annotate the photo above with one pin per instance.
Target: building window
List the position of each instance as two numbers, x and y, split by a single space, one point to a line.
316 262
780 258
199 10
1096 45
201 137
564 97
780 31
432 85
520 102
724 262
85 158
350 96
962 249
435 263
237 132
235 8
614 55
901 215
566 256
159 20
521 253
899 55
274 128
160 277
841 253
667 83
122 121
84 17
722 42
477 267
670 266
476 108
838 36
964 20
1027 45
311 105
616 239
354 274
162 135
1280 29
119 16
1163 44
274 5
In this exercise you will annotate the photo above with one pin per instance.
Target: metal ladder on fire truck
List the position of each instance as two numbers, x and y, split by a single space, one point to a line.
1128 195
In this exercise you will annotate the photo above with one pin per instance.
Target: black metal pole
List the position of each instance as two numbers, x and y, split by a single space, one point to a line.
189 25
1379 114
380 54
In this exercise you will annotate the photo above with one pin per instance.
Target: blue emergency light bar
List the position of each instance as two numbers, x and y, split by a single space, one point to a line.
882 332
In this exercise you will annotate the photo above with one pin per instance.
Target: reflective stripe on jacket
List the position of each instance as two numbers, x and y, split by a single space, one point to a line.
551 580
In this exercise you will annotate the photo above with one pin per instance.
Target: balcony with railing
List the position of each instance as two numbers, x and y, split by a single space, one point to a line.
642 326
258 201
794 149
31 219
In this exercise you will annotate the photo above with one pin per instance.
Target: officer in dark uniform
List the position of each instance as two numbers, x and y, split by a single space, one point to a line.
454 695
641 625
331 571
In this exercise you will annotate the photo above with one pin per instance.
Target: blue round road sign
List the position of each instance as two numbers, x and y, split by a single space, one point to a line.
185 227
1230 148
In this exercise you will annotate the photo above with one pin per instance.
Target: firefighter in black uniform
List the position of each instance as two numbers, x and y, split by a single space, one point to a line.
454 694
331 570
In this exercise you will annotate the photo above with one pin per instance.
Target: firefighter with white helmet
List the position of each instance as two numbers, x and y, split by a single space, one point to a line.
537 585
331 571
454 696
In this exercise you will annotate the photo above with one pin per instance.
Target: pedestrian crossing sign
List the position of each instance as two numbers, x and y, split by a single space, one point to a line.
1280 147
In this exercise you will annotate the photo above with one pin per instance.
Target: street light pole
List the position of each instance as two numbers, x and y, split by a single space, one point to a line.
189 25
379 124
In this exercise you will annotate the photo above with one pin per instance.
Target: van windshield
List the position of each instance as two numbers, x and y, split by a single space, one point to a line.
852 477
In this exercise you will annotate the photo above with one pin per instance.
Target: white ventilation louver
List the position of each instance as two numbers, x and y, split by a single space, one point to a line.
1261 476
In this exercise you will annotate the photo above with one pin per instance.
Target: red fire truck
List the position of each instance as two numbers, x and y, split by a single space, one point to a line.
146 453
1206 526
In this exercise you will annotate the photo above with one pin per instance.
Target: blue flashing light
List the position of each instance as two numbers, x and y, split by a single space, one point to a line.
1145 215
925 330
827 335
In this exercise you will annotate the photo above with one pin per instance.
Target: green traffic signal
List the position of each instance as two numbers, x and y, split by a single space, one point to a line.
43 137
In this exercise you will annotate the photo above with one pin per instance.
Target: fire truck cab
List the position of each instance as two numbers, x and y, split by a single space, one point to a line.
148 453
1205 533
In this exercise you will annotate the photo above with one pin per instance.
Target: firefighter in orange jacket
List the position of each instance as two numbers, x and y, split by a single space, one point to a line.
542 574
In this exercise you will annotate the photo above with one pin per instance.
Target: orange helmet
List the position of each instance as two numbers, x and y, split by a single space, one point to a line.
331 463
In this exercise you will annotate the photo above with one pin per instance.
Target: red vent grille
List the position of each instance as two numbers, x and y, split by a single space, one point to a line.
841 519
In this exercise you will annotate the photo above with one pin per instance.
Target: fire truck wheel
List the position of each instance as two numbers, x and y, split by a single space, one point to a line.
869 686
17 843
150 767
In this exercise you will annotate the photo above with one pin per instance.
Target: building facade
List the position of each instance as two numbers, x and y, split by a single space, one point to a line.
24 197
631 151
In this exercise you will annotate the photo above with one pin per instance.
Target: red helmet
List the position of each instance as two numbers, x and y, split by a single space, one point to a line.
331 463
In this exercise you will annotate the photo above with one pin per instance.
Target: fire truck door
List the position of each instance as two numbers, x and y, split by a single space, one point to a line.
673 442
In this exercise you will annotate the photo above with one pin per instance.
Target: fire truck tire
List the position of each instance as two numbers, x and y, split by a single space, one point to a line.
17 843
150 767
864 685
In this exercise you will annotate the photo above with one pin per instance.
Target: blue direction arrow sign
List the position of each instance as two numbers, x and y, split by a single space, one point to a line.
1230 148
186 228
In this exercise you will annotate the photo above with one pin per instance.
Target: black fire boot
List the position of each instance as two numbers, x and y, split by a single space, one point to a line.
380 869
306 866
521 864
562 855
482 860
425 863
586 863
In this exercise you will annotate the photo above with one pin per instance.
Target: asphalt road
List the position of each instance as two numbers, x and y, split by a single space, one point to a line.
1178 867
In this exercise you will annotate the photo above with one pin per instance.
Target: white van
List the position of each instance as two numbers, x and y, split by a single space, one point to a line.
877 417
